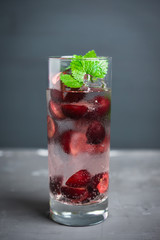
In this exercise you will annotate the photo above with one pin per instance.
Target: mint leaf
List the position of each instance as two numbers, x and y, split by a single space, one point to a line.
77 68
80 66
78 75
90 54
77 64
97 68
69 81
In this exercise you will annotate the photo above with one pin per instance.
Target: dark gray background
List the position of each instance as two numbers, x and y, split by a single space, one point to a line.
127 30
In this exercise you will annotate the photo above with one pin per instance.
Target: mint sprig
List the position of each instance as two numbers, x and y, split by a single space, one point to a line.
69 81
82 65
97 68
77 68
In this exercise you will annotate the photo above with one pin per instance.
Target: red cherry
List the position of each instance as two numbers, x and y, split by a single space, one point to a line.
92 192
56 95
103 183
73 142
75 194
77 143
98 107
79 179
74 111
100 182
50 127
102 105
55 110
98 148
55 184
65 140
95 132
55 79
74 96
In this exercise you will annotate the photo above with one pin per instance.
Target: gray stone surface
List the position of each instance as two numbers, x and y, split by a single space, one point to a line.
134 198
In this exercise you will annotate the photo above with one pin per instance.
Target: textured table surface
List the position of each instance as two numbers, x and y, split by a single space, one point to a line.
134 198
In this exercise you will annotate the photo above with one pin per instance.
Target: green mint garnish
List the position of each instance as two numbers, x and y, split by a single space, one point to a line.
69 81
90 54
80 66
77 68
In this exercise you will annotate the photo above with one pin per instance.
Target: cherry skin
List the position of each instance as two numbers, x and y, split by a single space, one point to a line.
79 179
95 133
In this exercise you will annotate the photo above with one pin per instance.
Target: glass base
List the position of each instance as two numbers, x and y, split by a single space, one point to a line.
78 215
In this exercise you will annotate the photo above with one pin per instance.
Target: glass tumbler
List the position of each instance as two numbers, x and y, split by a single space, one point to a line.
78 130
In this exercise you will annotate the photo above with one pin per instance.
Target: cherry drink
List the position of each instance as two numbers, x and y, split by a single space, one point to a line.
78 131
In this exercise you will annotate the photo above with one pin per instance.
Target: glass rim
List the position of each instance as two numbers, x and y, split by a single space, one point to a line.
69 58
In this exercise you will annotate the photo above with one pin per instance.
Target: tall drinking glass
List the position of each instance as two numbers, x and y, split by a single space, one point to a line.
78 128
